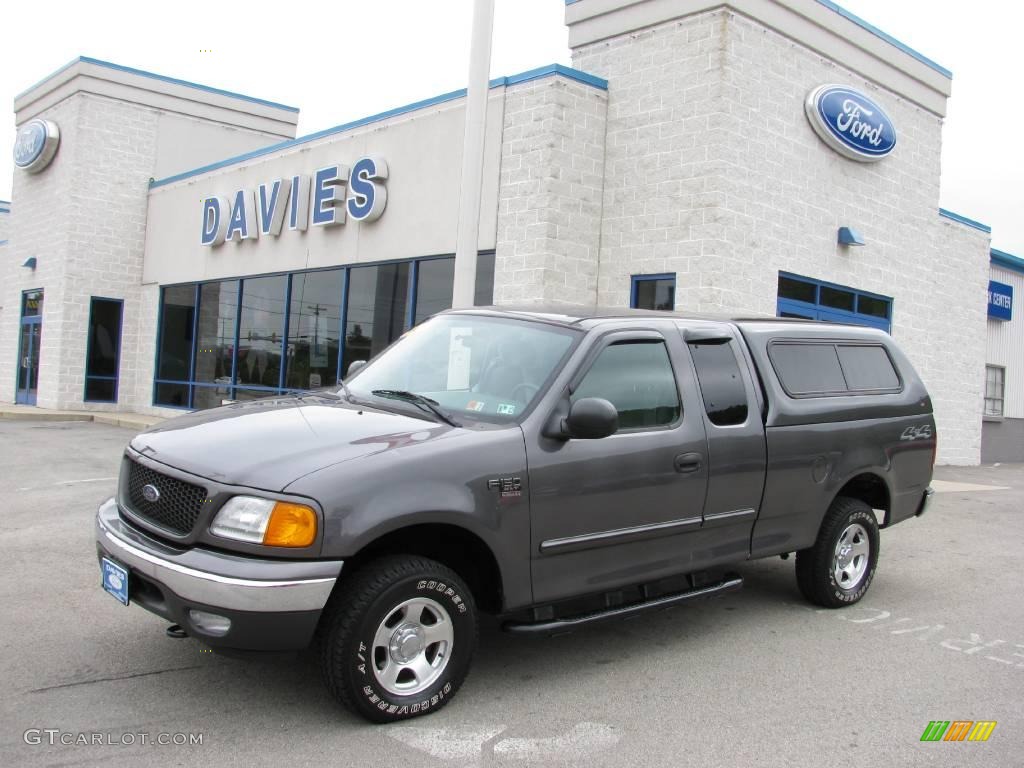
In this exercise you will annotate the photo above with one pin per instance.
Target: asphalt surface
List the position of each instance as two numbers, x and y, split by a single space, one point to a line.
754 678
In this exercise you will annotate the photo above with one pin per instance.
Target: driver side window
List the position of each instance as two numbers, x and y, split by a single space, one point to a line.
637 378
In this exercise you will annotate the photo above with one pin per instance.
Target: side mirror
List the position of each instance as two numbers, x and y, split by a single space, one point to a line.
355 366
591 419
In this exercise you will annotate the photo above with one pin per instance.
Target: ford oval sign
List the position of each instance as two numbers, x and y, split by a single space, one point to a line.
850 123
35 145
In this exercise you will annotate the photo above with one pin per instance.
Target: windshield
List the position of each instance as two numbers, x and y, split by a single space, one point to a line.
473 366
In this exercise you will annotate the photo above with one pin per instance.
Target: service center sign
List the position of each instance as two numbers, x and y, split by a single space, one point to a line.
324 199
850 123
1000 300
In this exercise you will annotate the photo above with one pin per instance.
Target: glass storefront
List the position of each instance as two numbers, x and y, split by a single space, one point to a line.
253 337
103 353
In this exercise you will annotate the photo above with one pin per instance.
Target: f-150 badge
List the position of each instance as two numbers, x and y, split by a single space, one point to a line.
508 487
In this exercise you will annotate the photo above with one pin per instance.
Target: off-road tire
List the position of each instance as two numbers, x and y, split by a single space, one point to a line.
361 603
815 566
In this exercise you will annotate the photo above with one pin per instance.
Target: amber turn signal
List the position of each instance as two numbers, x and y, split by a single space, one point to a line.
290 525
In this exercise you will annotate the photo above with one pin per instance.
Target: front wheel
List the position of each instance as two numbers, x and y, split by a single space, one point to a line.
837 570
398 638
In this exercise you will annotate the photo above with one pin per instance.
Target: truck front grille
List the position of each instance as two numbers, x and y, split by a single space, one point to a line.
177 505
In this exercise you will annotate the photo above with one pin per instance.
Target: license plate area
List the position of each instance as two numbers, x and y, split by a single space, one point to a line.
115 580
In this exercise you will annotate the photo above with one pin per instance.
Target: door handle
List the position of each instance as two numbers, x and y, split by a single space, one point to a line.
688 462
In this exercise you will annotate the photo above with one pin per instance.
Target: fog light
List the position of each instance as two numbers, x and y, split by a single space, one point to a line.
210 623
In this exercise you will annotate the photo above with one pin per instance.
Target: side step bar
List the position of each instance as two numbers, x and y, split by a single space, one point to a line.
731 584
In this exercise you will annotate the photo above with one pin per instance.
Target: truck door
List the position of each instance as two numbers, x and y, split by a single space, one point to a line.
619 510
736 443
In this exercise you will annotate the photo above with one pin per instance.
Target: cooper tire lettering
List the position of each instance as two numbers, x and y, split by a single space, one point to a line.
350 652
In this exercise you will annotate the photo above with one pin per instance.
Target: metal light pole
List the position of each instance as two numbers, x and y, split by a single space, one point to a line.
468 233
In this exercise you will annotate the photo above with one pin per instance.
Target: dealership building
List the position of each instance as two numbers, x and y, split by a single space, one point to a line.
171 246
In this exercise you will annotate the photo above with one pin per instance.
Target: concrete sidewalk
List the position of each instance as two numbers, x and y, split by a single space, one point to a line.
118 419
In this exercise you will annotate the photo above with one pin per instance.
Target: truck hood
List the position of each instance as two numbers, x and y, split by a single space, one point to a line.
268 444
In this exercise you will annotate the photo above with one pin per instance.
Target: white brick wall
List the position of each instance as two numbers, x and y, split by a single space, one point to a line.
713 173
549 200
84 218
37 229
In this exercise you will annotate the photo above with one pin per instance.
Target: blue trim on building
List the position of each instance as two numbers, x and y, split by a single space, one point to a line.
874 31
886 37
1006 260
816 310
522 77
88 352
163 78
4 242
635 280
964 220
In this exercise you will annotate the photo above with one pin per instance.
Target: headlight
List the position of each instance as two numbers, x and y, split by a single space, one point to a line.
265 521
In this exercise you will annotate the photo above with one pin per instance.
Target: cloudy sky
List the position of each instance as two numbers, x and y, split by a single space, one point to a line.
341 61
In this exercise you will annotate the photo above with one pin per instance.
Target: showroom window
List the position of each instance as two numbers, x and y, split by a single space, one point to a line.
103 352
995 386
810 299
249 338
314 329
653 292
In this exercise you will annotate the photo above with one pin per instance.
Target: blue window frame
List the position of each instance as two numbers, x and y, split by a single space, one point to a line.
812 299
295 351
103 351
653 291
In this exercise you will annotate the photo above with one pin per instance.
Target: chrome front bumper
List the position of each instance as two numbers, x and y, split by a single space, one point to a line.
209 578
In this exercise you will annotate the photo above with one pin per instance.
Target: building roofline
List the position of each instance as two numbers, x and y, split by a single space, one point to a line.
522 77
874 31
886 37
1006 260
964 220
155 76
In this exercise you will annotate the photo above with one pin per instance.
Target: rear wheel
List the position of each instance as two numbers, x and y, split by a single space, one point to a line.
398 638
839 568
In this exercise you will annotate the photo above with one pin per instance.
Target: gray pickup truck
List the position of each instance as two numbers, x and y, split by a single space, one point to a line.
554 468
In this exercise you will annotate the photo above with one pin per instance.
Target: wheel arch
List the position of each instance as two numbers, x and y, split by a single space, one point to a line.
869 487
452 545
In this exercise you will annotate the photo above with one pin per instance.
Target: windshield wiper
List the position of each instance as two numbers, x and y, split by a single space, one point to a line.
421 400
304 393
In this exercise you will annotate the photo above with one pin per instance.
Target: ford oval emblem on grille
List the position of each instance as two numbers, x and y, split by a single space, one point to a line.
150 493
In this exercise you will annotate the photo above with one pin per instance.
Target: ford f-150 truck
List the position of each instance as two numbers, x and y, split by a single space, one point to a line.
554 467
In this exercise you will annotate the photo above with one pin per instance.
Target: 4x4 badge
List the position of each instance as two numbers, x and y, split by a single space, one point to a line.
508 487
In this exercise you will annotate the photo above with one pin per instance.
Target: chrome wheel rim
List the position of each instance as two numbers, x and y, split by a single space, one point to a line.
412 646
850 562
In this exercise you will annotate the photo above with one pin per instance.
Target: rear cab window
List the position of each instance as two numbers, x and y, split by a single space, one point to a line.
818 368
720 381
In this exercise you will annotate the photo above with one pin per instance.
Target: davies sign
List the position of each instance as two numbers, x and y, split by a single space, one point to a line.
324 199
850 123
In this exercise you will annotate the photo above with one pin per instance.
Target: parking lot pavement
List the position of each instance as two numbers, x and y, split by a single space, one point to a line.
754 678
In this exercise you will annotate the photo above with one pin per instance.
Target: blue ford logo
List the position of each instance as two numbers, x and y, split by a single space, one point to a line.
850 123
150 493
35 144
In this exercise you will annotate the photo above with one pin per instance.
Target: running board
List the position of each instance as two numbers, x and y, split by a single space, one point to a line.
731 584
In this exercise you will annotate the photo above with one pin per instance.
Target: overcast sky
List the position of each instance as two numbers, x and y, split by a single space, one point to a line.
341 61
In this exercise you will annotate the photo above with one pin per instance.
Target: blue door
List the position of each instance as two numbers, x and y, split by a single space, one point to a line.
30 334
